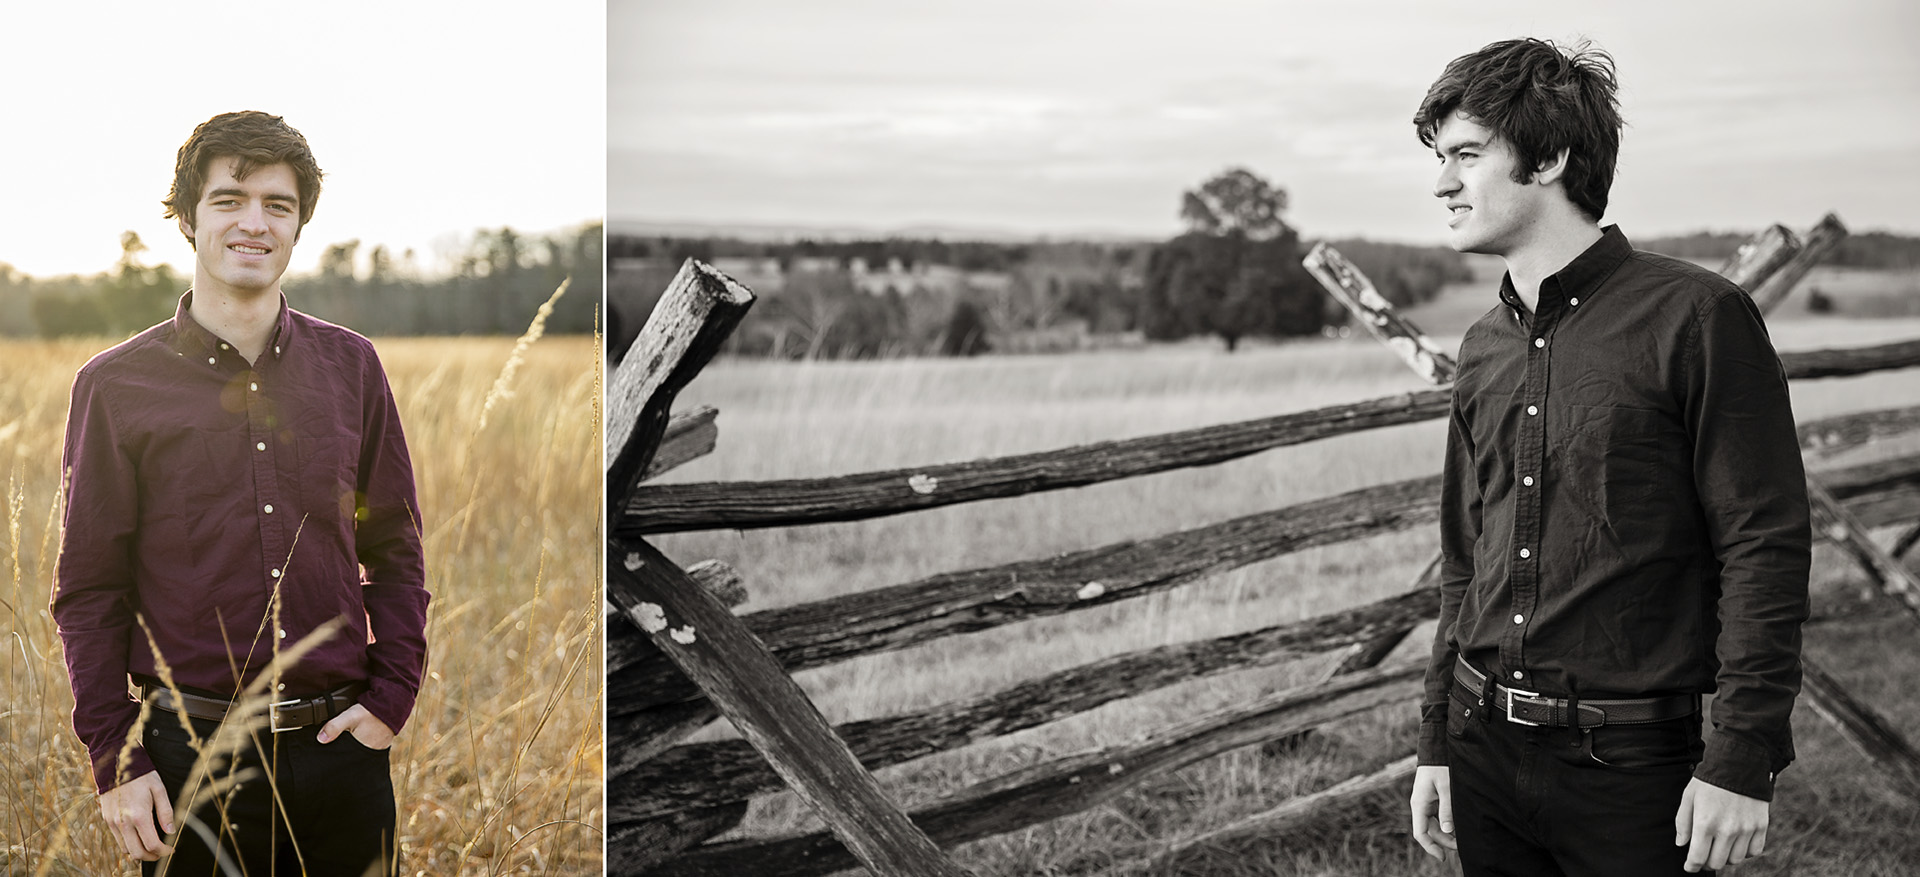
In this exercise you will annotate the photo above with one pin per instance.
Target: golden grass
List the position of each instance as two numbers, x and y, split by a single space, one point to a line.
788 420
498 770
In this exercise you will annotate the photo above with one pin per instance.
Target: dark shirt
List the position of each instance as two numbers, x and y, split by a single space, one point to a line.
1624 510
197 484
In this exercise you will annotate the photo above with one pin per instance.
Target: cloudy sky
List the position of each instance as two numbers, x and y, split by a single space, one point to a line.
430 119
1073 116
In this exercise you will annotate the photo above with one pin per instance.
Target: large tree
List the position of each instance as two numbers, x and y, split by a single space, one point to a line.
1235 272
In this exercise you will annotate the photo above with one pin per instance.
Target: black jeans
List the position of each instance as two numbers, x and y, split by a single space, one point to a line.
1533 801
334 813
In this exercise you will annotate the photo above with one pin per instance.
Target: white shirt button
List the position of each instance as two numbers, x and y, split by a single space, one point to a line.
1532 410
283 633
1528 481
259 446
1524 553
281 687
276 349
1575 301
276 573
269 508
211 360
1519 619
1519 675
223 346
254 387
1539 342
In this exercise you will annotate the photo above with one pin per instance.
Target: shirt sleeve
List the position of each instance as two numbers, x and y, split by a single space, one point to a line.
94 603
1459 530
1752 488
387 543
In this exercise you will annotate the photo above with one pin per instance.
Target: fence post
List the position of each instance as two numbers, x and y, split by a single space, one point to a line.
696 630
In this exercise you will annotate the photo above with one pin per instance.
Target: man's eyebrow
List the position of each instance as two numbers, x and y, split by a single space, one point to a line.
232 192
1464 144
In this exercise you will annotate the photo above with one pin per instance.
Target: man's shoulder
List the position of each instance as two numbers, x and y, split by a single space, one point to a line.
1691 283
133 353
332 337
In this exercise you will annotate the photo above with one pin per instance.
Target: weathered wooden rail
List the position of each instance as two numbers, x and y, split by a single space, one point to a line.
684 659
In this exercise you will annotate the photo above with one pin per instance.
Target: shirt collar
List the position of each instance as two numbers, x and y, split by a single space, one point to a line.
191 337
1581 278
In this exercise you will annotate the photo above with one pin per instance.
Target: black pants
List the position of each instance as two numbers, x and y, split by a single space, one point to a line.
1544 801
334 813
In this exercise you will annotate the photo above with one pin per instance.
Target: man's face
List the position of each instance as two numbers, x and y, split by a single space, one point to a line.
244 230
1490 213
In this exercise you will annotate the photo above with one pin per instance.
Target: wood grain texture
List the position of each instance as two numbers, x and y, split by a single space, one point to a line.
748 505
1832 435
1832 519
1761 257
1075 782
1819 241
709 645
701 775
1351 288
698 311
1867 730
899 616
1292 815
688 437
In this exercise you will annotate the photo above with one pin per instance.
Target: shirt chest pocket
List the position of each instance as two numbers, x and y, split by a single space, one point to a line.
328 472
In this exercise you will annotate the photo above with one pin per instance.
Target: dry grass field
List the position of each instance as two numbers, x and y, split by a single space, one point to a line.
499 769
786 420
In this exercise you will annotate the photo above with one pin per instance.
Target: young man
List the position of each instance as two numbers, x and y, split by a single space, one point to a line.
1624 521
237 480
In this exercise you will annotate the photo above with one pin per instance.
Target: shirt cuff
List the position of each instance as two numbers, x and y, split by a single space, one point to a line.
106 766
1737 766
1431 749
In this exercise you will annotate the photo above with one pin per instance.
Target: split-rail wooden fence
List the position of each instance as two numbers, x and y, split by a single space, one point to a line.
678 658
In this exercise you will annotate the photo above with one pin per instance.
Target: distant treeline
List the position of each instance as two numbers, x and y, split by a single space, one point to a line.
497 282
917 297
1873 249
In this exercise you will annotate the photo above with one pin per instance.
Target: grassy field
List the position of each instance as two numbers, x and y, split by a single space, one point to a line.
782 420
499 768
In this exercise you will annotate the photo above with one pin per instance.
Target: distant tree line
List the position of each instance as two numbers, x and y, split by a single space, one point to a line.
497 281
1234 273
1873 249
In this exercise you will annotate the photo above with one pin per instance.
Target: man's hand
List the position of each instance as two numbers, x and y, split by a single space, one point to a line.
371 732
1433 799
1719 827
129 809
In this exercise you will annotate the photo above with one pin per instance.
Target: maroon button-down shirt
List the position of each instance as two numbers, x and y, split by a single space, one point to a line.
199 488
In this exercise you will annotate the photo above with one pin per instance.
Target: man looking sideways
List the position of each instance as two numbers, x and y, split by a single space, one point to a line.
237 479
1624 522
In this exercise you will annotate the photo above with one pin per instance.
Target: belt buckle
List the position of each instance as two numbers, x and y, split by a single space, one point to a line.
273 716
1514 694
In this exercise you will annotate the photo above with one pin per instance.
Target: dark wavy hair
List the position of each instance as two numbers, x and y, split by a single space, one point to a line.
257 140
1540 98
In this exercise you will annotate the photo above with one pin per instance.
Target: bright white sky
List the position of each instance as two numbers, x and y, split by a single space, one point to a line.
1065 116
430 119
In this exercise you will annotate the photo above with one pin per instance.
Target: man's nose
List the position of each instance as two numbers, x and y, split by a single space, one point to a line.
254 218
1448 183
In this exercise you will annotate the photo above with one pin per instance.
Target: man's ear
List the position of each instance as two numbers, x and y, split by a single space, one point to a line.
187 229
1553 168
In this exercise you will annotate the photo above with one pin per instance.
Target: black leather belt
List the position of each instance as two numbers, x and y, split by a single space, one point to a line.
1532 708
285 715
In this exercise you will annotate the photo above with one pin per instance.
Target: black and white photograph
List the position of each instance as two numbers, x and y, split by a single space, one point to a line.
1073 438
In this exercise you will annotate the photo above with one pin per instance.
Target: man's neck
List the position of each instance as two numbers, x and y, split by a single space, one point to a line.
244 320
1553 247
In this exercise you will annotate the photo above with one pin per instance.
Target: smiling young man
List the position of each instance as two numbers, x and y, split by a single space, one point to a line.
1624 522
237 480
